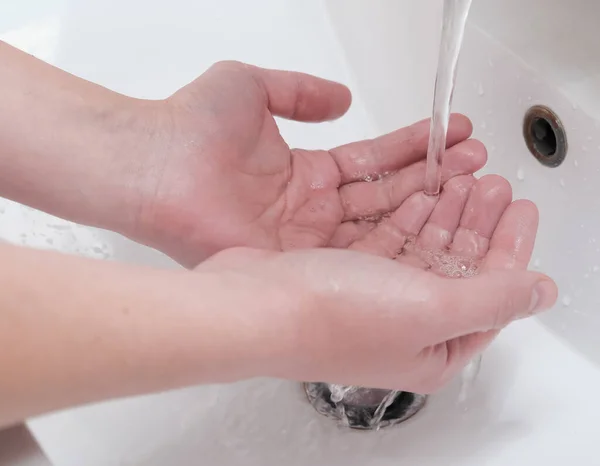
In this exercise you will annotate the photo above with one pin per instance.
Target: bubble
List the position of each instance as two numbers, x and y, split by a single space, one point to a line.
338 392
445 263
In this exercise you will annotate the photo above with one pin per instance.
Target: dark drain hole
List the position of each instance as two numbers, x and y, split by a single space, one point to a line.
360 417
545 136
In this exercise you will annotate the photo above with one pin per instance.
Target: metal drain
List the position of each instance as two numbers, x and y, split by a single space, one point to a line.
545 136
359 410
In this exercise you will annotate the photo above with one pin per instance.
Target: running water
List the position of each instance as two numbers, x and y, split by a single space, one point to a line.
454 22
453 30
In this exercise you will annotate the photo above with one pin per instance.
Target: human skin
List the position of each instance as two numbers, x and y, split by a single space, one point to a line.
309 275
205 169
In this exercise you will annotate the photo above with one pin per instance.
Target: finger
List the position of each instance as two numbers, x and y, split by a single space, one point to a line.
394 151
349 232
439 230
489 301
390 236
363 199
302 97
514 238
488 200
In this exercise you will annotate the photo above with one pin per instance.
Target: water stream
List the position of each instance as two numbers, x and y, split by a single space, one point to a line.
372 403
453 31
455 17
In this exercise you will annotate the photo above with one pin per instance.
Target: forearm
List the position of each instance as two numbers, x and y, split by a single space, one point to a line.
75 331
62 141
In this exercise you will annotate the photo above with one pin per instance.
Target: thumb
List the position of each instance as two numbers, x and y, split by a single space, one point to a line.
491 301
302 97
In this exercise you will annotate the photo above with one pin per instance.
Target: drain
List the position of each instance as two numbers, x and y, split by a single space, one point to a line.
545 136
359 409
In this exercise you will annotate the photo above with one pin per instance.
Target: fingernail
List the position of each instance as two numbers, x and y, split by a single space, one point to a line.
542 297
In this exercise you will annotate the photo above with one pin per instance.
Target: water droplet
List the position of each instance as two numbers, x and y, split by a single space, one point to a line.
490 62
596 269
562 183
483 125
567 301
521 174
480 90
574 105
537 263
529 98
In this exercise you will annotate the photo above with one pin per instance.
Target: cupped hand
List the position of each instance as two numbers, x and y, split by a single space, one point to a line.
352 318
225 177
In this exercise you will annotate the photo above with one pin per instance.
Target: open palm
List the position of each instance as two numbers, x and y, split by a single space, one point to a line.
229 179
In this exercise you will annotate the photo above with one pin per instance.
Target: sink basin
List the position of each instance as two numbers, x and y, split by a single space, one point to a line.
518 53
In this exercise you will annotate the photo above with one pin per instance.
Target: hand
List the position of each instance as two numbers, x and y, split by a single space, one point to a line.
356 319
227 178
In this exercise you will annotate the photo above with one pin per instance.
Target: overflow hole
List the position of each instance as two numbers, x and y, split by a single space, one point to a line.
545 136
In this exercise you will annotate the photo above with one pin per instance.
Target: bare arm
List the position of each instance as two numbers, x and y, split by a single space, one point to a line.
75 331
62 141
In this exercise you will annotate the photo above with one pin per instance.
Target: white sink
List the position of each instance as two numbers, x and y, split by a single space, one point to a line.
535 402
